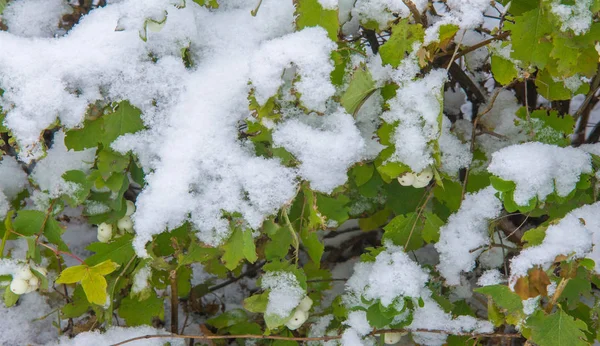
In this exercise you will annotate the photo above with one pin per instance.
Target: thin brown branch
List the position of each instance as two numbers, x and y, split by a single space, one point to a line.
174 302
321 338
415 12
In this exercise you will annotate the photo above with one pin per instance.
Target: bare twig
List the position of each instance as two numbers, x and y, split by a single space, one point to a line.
415 12
321 338
174 302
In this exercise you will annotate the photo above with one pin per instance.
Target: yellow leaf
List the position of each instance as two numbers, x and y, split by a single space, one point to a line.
104 268
94 286
73 274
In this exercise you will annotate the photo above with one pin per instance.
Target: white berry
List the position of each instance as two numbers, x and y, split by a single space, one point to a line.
34 282
297 320
392 338
305 304
130 208
422 179
125 224
41 270
104 232
407 179
18 286
24 273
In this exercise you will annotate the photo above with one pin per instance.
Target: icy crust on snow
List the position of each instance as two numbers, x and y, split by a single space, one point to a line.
285 293
417 107
577 235
576 17
117 334
46 78
392 277
325 145
35 18
555 168
466 230
48 172
309 50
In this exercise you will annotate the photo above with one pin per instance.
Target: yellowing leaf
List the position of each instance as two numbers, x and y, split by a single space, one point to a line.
400 43
73 274
94 286
311 13
104 268
360 88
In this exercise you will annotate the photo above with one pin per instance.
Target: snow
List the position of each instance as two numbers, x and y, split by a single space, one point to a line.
117 334
141 278
555 168
12 177
466 231
325 150
431 316
329 4
455 153
309 51
576 17
417 106
357 320
466 14
35 18
20 324
577 235
381 10
49 170
393 275
490 277
285 293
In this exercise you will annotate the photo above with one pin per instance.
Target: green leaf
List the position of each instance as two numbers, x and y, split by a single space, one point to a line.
529 38
238 246
400 43
110 161
557 329
503 70
86 137
535 236
502 185
376 318
83 187
119 251
334 208
257 303
503 297
431 227
374 221
362 173
311 13
78 305
136 312
550 89
313 245
228 318
360 88
405 230
10 298
29 222
124 119
280 243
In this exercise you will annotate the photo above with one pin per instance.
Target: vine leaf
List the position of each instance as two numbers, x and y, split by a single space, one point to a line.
360 88
557 329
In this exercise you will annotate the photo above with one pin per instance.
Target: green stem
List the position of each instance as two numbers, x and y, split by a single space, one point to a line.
7 230
294 234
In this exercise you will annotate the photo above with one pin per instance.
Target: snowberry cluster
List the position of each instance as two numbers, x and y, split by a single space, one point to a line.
300 314
392 338
24 281
416 180
125 224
